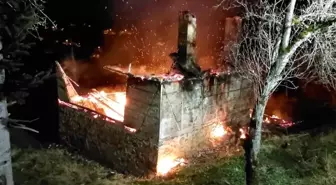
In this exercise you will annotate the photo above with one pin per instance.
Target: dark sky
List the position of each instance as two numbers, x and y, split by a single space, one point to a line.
80 11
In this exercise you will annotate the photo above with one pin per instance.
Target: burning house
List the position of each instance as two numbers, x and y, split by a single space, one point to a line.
159 121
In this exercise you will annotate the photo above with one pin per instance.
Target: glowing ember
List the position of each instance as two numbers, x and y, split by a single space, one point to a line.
242 133
277 120
133 130
218 131
165 165
275 117
144 74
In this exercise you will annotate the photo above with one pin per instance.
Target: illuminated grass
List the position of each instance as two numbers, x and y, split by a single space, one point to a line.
306 160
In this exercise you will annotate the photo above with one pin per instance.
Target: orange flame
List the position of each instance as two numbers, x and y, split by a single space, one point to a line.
111 104
219 131
166 164
94 115
242 133
275 117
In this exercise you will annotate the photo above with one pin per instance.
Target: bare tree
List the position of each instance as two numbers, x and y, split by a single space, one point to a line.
281 40
19 21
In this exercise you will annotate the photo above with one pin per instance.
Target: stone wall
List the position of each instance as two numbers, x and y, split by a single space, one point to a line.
142 110
171 118
191 110
109 143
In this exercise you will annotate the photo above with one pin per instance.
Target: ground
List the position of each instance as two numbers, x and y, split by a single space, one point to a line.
295 159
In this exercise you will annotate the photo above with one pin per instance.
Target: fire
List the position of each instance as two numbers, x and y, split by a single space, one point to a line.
110 104
166 164
275 117
94 115
242 133
143 74
279 121
219 131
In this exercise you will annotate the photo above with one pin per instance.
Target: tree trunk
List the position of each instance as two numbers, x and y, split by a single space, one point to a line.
6 174
253 142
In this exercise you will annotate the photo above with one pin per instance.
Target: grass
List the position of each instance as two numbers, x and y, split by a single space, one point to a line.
306 160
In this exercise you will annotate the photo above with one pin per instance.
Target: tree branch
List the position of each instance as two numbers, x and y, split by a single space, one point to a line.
288 25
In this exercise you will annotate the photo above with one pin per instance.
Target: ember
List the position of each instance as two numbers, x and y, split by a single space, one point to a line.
167 164
273 119
143 75
277 120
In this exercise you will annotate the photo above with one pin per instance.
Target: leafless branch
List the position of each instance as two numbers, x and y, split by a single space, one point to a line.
14 123
280 41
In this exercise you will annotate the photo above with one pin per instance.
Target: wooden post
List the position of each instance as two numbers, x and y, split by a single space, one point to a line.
69 88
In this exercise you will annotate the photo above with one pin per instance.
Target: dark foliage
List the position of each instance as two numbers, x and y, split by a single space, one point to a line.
19 23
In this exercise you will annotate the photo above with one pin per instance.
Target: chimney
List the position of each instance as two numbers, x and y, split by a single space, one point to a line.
186 35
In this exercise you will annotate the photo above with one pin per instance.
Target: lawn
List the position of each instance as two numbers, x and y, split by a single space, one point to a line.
295 159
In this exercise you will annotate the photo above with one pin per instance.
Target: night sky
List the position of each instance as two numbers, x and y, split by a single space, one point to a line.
149 21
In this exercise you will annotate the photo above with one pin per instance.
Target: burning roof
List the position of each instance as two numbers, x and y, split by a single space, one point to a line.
169 77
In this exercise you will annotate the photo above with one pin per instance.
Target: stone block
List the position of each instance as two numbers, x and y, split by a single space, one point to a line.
135 94
168 127
235 83
142 107
172 87
222 88
220 99
171 99
171 111
208 101
246 84
192 117
143 84
232 95
190 103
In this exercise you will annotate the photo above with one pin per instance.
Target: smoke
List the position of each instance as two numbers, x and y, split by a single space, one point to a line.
90 75
146 32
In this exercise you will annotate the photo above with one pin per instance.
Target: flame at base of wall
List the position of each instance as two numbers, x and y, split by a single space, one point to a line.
219 131
166 164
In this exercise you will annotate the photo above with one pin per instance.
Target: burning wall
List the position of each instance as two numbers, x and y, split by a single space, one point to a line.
109 142
188 112
164 120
